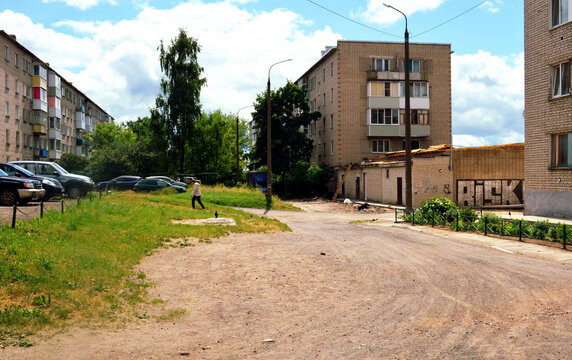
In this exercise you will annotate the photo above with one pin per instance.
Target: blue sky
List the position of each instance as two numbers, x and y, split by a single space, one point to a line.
108 48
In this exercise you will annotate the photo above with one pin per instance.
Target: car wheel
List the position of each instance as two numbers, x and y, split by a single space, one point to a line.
8 197
74 192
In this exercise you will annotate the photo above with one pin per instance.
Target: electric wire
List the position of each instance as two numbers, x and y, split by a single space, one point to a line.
386 33
352 20
451 19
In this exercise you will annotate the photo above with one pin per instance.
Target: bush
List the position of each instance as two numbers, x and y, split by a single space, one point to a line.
438 205
540 229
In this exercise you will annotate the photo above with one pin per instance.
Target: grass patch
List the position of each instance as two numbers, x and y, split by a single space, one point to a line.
242 197
78 267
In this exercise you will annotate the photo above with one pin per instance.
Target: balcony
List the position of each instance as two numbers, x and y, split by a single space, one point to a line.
373 75
397 130
55 134
54 154
80 120
40 129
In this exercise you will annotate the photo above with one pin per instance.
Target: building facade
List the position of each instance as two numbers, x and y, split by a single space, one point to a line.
358 87
548 107
45 116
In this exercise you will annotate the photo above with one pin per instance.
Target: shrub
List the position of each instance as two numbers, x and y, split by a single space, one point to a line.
438 205
540 229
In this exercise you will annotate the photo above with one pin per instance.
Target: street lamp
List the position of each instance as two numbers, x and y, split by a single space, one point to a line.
269 140
237 152
408 180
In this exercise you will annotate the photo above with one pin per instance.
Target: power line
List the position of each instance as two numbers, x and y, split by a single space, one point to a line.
451 19
352 20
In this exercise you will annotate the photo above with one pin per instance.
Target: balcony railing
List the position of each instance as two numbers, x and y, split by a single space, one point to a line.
397 130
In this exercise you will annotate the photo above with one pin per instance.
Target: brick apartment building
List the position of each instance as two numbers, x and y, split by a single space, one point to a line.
548 107
45 116
359 89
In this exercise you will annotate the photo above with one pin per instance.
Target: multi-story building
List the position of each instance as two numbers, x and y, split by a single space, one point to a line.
45 115
548 107
358 87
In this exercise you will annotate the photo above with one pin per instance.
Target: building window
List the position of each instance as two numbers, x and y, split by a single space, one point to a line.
17 138
562 150
324 99
380 64
332 147
414 65
7 108
17 84
416 89
384 116
17 112
417 117
332 95
414 144
380 146
560 11
6 53
16 60
324 74
380 88
6 81
387 173
560 78
332 68
331 121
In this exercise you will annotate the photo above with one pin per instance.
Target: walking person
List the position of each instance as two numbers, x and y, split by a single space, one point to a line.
196 194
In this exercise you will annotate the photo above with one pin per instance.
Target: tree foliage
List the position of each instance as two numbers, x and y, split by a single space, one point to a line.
179 102
74 163
214 146
290 113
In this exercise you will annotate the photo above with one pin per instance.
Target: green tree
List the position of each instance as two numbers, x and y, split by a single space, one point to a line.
290 113
151 135
74 163
214 146
179 101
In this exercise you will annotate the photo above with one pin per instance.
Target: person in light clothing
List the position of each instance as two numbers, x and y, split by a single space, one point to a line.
196 194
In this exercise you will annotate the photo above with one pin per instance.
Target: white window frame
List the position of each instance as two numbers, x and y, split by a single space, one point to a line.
560 79
7 108
331 95
561 12
331 121
380 64
332 147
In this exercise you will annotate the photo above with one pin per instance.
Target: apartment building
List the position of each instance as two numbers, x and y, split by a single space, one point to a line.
358 87
548 107
45 116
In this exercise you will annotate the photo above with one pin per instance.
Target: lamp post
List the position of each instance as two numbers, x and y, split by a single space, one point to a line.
408 180
237 149
269 139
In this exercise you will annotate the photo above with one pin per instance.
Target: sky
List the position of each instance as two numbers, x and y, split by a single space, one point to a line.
108 49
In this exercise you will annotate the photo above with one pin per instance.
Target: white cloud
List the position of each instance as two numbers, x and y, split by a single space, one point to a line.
82 4
492 6
377 13
488 98
117 66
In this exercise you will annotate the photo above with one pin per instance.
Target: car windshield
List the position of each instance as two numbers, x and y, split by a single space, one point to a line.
61 169
25 171
2 173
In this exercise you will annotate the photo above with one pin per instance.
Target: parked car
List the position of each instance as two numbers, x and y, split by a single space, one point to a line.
124 182
52 186
16 190
151 184
169 180
74 185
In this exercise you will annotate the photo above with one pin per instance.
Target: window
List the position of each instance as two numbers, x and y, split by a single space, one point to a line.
332 147
17 112
416 89
7 136
324 124
384 116
7 108
17 138
331 121
324 99
16 60
17 85
324 74
560 79
560 11
380 64
418 116
380 146
380 88
414 144
332 95
6 53
324 148
414 65
562 150
6 81
332 68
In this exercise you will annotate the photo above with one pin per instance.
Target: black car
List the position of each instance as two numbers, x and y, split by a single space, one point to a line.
52 186
125 182
15 190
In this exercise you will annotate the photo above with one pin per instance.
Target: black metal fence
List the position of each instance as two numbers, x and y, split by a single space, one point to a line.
10 216
490 224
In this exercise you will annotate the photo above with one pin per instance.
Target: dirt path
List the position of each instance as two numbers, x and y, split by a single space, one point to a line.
331 289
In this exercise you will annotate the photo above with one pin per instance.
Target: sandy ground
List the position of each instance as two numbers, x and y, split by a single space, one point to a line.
338 289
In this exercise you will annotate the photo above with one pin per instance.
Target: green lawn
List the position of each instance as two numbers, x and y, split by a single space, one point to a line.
78 267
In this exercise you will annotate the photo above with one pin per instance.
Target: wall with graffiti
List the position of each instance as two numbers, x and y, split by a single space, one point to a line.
490 192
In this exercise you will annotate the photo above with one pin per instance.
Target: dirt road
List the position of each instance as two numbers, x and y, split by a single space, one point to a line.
332 289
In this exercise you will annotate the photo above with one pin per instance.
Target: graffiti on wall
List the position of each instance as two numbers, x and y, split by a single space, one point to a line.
489 192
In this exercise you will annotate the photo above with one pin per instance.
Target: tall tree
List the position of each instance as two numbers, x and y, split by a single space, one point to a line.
179 102
290 113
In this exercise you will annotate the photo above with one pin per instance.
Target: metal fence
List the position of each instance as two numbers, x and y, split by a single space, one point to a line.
10 216
490 224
